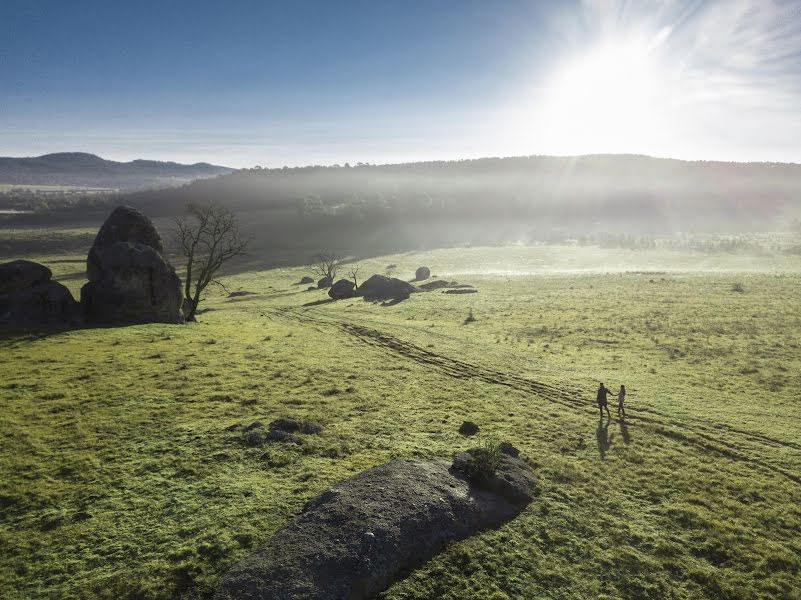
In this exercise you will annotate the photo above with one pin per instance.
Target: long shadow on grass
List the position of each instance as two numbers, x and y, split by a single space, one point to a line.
604 438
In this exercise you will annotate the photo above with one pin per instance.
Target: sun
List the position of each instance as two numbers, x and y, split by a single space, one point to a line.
602 101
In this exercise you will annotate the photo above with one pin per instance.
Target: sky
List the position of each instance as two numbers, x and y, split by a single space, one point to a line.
244 83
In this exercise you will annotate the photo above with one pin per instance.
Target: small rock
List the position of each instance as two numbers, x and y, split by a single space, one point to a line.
255 438
325 282
422 273
461 291
283 424
233 426
238 294
311 427
254 425
509 450
306 280
468 428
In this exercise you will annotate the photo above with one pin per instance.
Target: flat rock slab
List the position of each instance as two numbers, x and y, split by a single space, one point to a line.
353 540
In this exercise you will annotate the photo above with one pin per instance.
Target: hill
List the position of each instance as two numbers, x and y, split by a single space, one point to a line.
82 169
641 193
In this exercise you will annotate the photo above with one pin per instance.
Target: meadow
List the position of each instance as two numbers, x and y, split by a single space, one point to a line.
125 475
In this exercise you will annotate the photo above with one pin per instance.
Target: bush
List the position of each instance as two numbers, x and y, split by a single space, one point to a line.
483 461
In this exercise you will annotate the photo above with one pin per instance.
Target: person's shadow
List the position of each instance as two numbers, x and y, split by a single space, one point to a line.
624 431
603 437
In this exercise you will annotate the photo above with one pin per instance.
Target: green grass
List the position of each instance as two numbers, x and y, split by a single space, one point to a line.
121 480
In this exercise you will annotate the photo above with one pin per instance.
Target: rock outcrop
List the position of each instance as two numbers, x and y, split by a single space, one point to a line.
380 287
354 539
342 289
22 274
30 300
130 280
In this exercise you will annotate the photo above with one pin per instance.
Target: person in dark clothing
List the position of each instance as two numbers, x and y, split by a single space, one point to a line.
602 403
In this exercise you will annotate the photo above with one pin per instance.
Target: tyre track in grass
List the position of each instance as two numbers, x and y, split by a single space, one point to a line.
701 436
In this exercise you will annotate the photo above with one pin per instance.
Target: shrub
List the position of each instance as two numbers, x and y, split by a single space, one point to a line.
470 318
483 461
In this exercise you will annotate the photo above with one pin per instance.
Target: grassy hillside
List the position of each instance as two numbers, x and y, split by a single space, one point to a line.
125 475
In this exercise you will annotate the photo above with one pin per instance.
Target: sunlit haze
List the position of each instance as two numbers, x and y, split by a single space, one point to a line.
257 83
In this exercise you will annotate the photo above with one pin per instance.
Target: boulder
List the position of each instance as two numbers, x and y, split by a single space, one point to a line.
130 280
124 224
324 282
511 479
30 300
306 280
422 273
342 289
21 274
437 284
353 540
468 428
380 287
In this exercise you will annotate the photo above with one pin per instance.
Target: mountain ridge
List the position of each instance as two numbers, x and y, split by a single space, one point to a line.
91 170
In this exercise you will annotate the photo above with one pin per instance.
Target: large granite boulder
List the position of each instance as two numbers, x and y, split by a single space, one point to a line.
29 300
353 540
130 280
21 274
342 289
380 287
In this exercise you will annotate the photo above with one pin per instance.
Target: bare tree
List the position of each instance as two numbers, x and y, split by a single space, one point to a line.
353 273
326 264
208 237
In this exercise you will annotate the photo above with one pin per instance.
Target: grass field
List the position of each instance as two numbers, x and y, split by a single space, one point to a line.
123 476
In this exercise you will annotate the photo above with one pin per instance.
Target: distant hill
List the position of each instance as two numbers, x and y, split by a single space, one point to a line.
89 170
596 192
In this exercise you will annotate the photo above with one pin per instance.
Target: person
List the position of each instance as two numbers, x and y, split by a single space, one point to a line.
602 404
621 398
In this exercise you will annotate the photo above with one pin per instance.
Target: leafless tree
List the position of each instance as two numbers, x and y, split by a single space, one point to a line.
208 237
326 264
353 273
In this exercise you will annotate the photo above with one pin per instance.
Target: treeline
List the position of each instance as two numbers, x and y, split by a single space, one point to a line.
584 193
632 202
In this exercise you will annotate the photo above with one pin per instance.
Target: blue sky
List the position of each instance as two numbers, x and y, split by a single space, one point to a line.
253 82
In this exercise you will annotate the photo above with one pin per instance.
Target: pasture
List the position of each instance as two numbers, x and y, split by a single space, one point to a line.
125 475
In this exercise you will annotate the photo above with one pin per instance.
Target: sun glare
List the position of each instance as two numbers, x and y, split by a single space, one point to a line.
603 101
